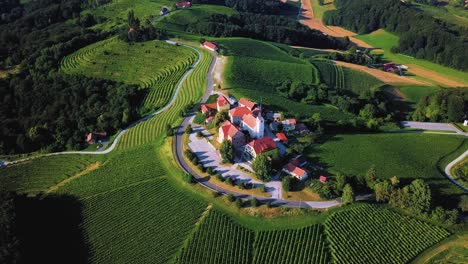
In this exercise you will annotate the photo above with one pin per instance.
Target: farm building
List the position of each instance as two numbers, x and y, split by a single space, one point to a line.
257 147
182 5
210 46
295 171
92 138
164 11
237 113
254 125
228 131
222 103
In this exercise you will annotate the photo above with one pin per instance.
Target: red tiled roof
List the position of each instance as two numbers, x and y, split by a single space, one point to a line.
282 137
323 178
229 129
293 169
247 103
209 45
262 145
130 30
250 120
239 111
183 4
208 107
291 121
90 137
209 119
222 101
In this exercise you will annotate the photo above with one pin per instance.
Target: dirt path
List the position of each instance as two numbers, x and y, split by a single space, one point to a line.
434 76
218 76
307 18
381 75
89 169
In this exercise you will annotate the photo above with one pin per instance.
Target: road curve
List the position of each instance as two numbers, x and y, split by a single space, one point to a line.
449 168
119 136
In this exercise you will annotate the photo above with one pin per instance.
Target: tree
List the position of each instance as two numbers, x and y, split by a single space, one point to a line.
169 130
254 202
394 181
230 198
188 129
238 203
220 117
227 151
188 178
420 196
9 250
371 177
463 205
348 195
262 167
400 198
383 190
340 182
286 183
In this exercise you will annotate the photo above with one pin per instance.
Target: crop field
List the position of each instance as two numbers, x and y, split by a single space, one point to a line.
218 240
256 78
38 175
179 19
153 65
332 74
152 129
405 155
452 250
425 70
367 234
447 13
255 49
304 245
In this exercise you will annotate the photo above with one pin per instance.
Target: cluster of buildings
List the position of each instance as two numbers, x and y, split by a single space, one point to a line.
245 129
179 5
393 67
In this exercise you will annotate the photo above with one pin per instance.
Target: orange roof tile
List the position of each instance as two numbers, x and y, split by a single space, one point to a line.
262 145
239 111
247 103
250 120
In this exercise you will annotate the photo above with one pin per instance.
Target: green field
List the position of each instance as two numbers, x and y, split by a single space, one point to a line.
319 10
415 93
385 40
178 20
405 155
367 234
460 172
446 13
451 250
38 175
153 65
220 240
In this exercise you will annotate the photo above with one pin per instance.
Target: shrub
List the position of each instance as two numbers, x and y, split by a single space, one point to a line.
210 171
254 202
199 134
187 178
220 177
231 198
239 203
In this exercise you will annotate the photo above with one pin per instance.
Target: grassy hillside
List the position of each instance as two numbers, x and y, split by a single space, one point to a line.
415 93
367 234
385 41
405 155
446 13
149 64
450 250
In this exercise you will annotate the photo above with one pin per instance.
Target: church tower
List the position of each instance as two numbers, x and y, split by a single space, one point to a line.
260 126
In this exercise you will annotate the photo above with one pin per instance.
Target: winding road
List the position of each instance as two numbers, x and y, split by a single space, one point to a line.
179 154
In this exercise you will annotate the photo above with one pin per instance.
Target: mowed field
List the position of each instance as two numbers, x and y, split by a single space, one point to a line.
405 155
451 250
424 70
368 234
153 65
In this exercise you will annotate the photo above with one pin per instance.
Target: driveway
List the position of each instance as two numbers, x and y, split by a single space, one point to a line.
443 127
210 157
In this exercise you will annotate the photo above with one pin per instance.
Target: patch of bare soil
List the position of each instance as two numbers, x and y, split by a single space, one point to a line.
385 77
89 169
434 76
218 71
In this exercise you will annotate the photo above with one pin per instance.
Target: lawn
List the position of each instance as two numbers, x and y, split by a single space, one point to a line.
405 155
415 93
447 13
385 41
319 10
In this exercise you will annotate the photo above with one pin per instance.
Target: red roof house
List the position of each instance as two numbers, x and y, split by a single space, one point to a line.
222 103
209 119
323 179
183 4
92 137
228 131
295 171
208 108
130 30
210 45
259 146
247 103
237 113
282 137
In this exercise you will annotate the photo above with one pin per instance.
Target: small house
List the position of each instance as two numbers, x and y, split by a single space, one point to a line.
228 131
183 5
247 103
323 179
210 46
93 137
208 109
237 113
222 103
295 171
257 147
289 125
282 137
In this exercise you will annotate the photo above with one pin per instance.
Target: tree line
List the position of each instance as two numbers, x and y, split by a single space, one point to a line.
421 35
138 33
252 6
445 105
266 27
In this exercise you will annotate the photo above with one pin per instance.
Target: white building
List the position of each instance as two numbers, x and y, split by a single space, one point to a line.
254 125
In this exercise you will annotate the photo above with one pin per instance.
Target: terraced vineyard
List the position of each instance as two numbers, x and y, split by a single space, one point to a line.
155 66
37 175
152 129
218 240
305 245
367 234
331 73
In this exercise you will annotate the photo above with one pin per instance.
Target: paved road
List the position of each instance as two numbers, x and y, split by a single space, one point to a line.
433 126
119 136
450 166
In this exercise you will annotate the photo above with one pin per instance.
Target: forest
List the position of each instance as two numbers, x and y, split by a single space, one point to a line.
256 6
446 105
266 27
421 35
42 108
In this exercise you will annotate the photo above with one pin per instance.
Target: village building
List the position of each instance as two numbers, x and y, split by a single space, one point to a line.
209 109
210 46
182 5
94 137
273 116
222 103
323 179
247 103
164 11
228 131
209 119
282 137
257 147
237 113
289 125
295 171
254 125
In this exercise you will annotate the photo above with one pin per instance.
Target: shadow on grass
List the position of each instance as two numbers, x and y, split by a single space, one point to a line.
49 229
